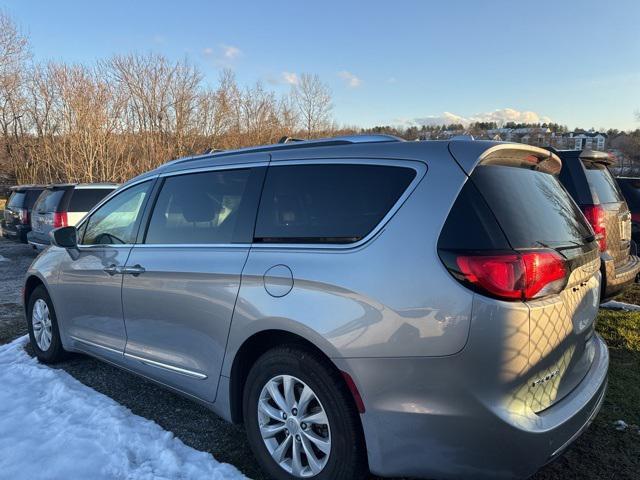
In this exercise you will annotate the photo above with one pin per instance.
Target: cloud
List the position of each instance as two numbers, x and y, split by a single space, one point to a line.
230 52
207 52
159 39
351 80
391 80
500 116
290 78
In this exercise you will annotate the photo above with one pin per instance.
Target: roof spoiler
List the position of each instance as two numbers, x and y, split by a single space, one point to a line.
471 154
597 157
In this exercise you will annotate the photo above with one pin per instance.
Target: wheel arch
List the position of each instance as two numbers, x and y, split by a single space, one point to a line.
258 344
31 283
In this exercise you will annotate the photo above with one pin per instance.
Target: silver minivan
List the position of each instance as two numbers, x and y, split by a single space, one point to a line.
361 304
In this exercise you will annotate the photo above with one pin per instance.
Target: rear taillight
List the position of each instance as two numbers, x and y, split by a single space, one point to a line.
513 276
59 219
23 216
595 215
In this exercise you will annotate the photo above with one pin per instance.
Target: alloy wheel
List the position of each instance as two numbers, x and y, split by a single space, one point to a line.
294 426
41 322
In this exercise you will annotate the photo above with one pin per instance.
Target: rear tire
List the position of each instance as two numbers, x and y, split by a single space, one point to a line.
330 444
43 327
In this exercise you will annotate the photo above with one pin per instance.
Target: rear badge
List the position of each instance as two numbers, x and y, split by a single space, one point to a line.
590 267
546 378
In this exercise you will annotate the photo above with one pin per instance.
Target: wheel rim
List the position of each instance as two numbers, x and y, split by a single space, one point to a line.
294 426
41 322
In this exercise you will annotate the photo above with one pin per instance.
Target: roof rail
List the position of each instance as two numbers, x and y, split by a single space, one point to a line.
286 139
295 143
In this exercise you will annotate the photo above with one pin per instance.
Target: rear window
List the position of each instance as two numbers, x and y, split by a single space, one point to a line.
16 199
49 201
330 203
603 185
31 197
84 199
631 189
533 208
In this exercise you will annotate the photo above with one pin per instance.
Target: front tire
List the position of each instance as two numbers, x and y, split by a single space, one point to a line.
43 327
300 419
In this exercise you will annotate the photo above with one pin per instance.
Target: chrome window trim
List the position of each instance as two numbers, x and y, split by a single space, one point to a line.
420 167
193 245
97 246
164 366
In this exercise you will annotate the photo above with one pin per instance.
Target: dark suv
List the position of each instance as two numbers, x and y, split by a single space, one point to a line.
585 174
62 205
17 213
630 187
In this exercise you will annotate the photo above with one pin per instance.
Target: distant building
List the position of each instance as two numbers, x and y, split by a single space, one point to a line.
588 141
544 137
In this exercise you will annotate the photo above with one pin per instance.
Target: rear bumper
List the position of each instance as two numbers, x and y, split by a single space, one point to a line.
16 232
614 280
420 421
38 241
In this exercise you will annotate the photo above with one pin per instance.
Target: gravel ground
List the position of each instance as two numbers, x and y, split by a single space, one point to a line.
193 424
15 259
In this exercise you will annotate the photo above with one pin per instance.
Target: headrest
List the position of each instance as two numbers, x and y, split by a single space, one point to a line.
197 206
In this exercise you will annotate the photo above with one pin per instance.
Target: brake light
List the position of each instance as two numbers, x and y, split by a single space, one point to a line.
515 276
595 215
59 219
23 216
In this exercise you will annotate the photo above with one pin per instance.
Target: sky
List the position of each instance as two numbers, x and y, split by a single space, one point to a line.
386 62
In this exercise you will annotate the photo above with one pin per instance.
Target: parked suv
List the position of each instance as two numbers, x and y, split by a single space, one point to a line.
630 187
17 211
586 176
411 308
63 205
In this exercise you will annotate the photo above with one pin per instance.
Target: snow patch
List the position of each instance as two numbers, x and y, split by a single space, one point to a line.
620 425
51 422
627 307
3 259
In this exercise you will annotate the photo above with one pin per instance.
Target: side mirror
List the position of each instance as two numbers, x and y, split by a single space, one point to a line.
64 237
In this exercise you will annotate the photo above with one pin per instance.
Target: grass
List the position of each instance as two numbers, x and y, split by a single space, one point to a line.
603 452
630 295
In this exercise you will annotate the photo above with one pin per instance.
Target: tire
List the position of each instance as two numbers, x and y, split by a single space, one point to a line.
51 351
345 458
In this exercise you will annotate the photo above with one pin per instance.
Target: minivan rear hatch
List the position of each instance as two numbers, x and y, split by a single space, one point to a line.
538 217
607 197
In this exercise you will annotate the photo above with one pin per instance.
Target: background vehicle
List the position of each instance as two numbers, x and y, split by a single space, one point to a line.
586 177
353 301
17 212
630 187
63 205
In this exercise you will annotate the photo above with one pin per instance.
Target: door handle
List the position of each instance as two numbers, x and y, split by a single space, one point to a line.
112 269
135 270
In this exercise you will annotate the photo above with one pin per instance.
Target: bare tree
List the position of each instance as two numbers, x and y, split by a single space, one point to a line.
14 53
120 117
313 99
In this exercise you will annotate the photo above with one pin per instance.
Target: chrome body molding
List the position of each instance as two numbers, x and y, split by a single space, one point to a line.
153 363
